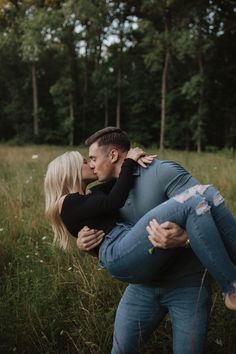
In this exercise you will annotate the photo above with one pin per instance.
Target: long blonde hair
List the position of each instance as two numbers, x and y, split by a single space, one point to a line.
63 176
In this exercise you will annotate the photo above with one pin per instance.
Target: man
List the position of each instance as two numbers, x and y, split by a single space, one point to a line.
183 289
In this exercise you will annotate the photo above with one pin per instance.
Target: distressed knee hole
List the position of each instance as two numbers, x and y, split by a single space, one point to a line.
202 188
186 195
202 207
218 199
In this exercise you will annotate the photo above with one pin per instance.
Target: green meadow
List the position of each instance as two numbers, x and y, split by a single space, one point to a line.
57 302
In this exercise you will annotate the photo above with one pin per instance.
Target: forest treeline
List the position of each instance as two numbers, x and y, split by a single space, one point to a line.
162 70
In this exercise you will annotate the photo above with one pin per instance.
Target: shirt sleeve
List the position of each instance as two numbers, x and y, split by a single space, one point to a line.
93 205
104 187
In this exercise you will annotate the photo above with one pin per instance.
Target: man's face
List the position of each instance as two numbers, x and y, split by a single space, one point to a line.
100 162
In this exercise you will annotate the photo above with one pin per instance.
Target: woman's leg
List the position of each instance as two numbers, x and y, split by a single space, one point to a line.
224 220
125 253
129 256
207 233
207 244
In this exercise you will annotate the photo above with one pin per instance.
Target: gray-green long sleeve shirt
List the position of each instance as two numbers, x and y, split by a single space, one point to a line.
154 185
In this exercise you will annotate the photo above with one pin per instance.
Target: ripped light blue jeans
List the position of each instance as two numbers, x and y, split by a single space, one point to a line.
210 226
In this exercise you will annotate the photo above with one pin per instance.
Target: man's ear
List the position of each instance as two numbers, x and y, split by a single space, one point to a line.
114 155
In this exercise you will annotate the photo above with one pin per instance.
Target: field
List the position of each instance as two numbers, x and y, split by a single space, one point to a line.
57 302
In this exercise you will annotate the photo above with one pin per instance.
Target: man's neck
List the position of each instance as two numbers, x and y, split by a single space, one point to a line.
119 164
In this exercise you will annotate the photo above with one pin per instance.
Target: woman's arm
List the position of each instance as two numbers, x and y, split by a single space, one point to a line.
87 206
117 196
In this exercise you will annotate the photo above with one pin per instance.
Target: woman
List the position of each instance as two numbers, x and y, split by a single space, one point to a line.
200 210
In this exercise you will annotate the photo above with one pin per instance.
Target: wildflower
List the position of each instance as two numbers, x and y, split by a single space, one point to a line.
219 342
1 229
27 256
41 261
35 156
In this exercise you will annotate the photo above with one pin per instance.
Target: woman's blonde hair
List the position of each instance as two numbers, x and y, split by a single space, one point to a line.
63 176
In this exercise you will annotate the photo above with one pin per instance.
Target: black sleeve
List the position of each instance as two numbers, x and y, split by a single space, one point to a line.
93 205
104 187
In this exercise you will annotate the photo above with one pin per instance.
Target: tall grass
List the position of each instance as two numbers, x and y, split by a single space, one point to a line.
57 302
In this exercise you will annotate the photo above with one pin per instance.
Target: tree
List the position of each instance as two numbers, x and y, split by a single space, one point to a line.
192 47
159 22
165 68
122 20
32 48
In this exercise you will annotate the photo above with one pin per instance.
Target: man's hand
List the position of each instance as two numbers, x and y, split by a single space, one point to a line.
166 235
89 238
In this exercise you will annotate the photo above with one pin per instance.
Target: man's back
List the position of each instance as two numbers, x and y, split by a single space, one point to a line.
153 186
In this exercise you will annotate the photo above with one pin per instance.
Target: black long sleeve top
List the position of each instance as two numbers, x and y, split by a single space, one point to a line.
98 210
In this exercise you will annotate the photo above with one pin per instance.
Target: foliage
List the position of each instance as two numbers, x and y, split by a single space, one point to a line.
92 56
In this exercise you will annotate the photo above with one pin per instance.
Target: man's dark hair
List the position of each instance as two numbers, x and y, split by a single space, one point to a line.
110 136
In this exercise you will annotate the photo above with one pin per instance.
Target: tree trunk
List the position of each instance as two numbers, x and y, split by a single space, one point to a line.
163 99
72 118
106 112
199 127
85 90
119 74
98 53
85 99
164 77
75 85
118 103
35 101
200 105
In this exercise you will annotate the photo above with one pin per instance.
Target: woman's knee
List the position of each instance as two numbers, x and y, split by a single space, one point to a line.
192 200
213 196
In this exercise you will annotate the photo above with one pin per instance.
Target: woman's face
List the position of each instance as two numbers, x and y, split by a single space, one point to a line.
88 175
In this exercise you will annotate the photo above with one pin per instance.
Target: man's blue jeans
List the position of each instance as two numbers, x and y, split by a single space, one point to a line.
142 308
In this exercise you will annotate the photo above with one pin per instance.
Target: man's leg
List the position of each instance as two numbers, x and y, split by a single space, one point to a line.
138 315
189 310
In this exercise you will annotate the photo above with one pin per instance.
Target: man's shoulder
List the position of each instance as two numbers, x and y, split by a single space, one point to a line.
161 173
160 165
164 165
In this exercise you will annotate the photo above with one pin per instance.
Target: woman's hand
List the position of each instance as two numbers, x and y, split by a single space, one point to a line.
135 153
146 160
138 155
